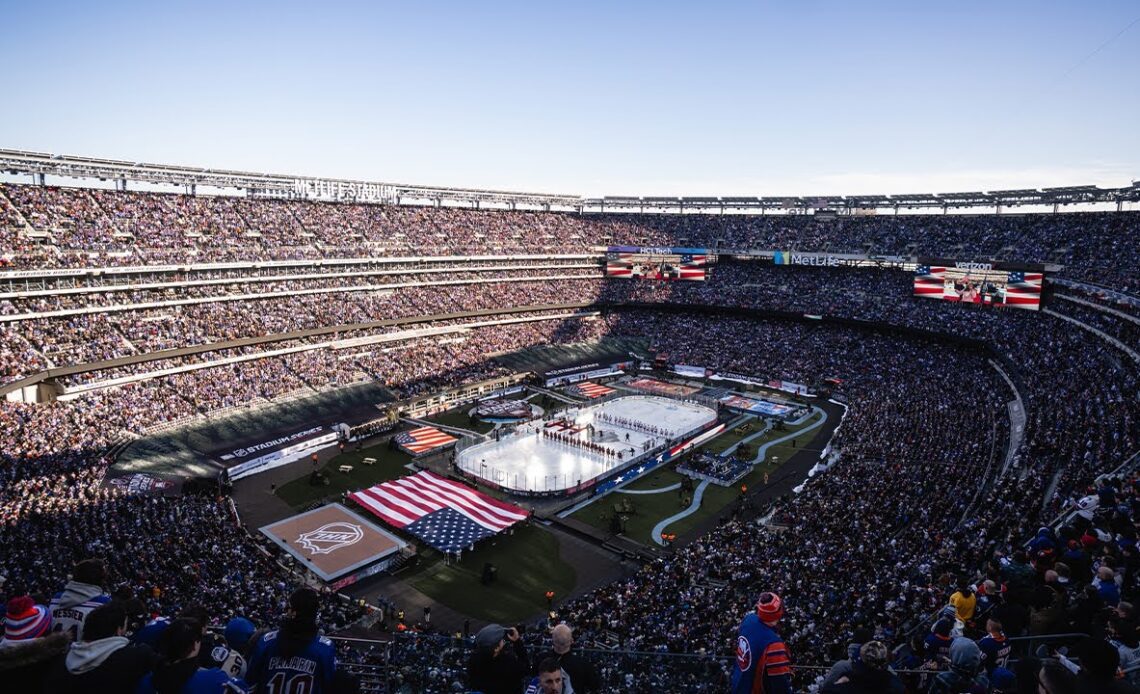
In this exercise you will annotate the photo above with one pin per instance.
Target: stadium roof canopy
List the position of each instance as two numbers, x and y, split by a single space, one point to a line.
39 165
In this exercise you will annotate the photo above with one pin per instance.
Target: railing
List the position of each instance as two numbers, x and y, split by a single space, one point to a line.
1090 288
432 663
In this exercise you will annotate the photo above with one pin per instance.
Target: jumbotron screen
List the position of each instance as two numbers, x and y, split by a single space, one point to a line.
997 287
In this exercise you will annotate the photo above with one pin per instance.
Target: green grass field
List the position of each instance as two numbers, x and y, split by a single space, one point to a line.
652 508
648 510
529 565
730 437
389 465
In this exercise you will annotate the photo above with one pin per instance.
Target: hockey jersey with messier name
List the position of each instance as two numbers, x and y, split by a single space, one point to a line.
309 670
70 607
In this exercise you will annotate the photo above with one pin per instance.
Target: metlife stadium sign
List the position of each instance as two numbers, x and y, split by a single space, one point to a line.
834 259
817 259
342 191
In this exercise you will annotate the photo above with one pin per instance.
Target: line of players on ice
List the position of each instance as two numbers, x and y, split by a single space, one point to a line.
635 425
572 439
564 431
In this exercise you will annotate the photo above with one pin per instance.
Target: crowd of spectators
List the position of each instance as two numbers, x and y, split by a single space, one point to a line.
87 639
81 338
91 227
922 501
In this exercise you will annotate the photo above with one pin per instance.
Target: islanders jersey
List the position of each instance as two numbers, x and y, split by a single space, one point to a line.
995 651
308 670
762 662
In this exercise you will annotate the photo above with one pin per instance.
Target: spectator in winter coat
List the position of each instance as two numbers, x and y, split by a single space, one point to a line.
583 676
1100 664
178 670
965 673
28 646
1105 583
105 661
762 660
82 595
869 674
499 662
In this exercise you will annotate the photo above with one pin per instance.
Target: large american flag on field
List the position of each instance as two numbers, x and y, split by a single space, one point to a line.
422 440
447 515
591 390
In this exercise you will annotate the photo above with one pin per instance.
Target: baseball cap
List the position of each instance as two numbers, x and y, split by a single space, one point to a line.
238 632
490 636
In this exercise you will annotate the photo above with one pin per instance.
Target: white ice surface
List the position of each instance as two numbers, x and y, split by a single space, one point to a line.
530 462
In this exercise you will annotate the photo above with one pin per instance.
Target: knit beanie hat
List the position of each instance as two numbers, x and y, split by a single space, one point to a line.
769 608
26 620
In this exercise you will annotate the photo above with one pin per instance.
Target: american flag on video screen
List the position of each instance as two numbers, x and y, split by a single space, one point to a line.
928 281
1024 289
446 515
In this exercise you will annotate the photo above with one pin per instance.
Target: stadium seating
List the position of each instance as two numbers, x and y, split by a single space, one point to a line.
921 498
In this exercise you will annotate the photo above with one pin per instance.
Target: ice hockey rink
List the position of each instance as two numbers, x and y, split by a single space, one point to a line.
530 460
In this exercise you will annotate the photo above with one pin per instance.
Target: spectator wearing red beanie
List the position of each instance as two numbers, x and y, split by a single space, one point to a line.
762 660
28 647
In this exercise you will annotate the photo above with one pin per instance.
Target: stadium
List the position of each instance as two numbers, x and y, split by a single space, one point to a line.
173 356
320 432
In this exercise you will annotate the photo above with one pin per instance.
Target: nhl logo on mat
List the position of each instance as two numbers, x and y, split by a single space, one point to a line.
330 537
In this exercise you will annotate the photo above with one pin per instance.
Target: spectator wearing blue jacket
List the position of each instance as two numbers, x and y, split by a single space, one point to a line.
178 672
763 664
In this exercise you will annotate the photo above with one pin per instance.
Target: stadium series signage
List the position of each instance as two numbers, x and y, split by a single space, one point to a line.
581 372
254 448
572 369
264 455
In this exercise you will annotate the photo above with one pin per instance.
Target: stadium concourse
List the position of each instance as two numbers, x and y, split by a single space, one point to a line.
987 458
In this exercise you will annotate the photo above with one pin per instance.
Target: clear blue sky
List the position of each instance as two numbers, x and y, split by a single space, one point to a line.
611 97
